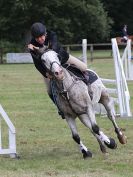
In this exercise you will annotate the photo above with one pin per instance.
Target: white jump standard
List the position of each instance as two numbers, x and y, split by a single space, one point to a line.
11 150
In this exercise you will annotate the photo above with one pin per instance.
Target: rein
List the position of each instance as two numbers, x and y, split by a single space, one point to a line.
62 84
65 93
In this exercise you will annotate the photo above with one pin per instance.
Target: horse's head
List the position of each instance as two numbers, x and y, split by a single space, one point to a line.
52 63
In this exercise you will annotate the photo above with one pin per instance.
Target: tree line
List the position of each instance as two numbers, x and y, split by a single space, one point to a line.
96 20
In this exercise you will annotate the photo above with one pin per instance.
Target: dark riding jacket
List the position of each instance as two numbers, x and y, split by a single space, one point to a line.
51 42
124 32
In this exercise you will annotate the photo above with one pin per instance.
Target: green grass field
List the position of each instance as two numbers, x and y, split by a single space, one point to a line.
44 140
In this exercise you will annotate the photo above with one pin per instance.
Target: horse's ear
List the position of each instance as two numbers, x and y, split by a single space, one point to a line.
39 51
42 50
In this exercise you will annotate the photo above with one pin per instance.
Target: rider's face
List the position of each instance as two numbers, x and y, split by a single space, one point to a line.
41 39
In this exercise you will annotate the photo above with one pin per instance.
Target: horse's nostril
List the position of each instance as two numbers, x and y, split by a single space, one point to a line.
56 73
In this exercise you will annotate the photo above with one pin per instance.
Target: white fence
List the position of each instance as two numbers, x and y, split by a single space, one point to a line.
11 150
122 96
19 58
127 61
111 86
122 87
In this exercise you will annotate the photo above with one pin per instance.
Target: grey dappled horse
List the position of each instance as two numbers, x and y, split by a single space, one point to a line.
74 101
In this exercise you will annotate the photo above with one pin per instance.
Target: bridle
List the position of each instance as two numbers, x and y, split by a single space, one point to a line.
62 91
51 65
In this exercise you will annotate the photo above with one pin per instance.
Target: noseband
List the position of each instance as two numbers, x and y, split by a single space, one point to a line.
51 65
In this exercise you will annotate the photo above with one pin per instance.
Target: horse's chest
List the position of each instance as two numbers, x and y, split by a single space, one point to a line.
76 100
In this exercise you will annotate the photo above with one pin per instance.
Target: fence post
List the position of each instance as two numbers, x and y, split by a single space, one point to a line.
91 51
1 56
68 49
84 48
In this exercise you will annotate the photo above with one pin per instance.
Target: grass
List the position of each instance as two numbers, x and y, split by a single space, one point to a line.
44 140
97 54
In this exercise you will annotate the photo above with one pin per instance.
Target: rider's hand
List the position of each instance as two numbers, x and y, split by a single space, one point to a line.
32 47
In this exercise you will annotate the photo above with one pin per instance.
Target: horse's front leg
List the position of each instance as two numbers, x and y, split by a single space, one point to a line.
86 121
72 124
108 104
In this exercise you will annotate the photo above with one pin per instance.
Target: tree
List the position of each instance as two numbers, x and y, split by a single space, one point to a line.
121 13
72 20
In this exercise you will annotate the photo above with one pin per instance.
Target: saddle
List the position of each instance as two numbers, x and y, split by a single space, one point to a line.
88 77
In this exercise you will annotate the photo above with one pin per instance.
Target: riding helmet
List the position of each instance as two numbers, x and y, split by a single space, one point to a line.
38 29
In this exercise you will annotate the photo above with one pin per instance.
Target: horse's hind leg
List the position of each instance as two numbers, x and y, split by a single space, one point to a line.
109 106
109 142
72 124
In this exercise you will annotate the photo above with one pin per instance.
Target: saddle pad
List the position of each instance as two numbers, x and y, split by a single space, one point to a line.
88 76
92 76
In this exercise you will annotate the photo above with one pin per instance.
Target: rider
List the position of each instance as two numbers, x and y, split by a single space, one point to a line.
125 35
42 39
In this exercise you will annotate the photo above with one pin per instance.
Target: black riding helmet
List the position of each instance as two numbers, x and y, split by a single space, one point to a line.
38 29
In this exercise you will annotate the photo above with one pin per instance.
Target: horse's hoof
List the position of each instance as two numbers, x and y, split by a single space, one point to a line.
112 144
122 138
86 154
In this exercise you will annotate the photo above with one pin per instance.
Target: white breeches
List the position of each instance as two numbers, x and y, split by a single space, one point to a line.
75 61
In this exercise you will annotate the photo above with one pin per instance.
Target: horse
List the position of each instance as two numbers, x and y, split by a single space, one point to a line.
74 101
121 40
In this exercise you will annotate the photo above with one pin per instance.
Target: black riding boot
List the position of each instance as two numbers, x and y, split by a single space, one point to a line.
86 75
